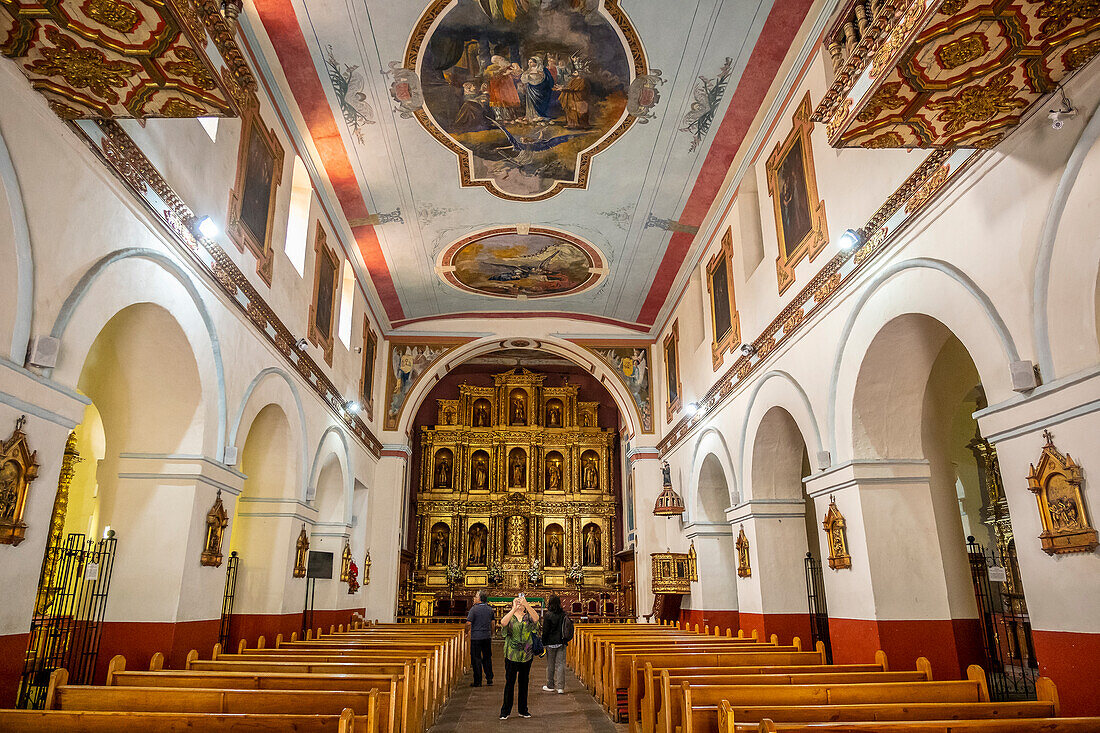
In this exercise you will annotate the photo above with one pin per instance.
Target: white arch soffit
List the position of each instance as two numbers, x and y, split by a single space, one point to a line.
982 300
68 308
812 437
560 347
315 470
303 439
1041 285
24 257
711 442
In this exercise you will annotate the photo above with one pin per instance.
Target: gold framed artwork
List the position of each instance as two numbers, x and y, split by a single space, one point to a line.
725 321
18 469
252 198
672 371
366 382
1057 483
322 312
792 184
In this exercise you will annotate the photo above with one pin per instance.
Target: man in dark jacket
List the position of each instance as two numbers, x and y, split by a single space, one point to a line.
554 638
480 623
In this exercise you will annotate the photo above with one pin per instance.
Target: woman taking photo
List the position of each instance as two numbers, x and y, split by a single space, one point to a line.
519 627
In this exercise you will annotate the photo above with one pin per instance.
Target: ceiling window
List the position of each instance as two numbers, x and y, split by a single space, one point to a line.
297 225
347 300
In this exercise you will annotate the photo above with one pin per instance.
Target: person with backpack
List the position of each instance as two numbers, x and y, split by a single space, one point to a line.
520 628
557 631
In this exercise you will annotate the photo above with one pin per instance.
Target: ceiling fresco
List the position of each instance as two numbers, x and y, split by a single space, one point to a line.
611 123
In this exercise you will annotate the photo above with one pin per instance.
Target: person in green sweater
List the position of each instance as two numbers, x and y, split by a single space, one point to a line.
518 627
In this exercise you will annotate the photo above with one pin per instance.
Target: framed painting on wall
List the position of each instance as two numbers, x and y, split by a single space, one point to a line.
725 321
326 267
792 184
366 383
672 371
252 199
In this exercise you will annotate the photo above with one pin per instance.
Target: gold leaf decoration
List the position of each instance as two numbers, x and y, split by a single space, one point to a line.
83 68
116 15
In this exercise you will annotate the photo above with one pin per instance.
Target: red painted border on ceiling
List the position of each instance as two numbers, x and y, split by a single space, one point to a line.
779 31
281 24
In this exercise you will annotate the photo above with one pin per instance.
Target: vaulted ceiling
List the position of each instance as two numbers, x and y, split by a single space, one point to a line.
503 156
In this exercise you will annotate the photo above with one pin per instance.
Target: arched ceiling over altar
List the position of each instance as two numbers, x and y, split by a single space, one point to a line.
500 156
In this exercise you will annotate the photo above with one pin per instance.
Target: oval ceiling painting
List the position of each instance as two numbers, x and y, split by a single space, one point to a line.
525 92
539 263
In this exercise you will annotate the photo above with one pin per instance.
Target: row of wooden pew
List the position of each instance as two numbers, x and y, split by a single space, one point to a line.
668 679
368 678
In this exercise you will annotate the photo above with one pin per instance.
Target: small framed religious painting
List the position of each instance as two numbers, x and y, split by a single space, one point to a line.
252 200
725 320
672 371
323 309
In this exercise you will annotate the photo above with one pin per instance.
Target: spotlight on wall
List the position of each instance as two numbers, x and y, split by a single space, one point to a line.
358 349
302 344
850 239
691 408
1066 111
207 228
353 407
747 350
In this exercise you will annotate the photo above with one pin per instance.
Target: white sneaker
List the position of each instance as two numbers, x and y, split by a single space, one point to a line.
548 688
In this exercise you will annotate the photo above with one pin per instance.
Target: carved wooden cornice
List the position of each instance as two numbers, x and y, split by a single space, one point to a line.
124 158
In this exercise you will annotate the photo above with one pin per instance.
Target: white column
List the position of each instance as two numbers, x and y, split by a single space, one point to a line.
651 533
386 533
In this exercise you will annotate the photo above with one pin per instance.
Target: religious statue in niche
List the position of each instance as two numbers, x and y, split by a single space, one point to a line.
438 549
481 414
586 419
480 473
301 553
366 569
449 416
553 472
554 543
353 577
517 469
744 570
518 408
345 562
836 530
216 522
517 535
591 553
553 414
590 475
443 469
18 468
475 552
1057 485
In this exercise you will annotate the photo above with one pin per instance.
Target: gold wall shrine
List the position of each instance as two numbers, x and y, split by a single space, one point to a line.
515 490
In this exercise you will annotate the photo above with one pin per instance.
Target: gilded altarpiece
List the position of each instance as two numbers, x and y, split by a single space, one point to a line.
515 489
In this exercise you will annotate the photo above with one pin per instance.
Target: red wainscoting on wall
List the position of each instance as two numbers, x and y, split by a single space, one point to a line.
950 645
784 625
1072 660
12 651
722 619
138 641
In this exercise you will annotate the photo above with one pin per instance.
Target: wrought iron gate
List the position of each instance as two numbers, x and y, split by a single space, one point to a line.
1010 663
819 611
68 614
227 598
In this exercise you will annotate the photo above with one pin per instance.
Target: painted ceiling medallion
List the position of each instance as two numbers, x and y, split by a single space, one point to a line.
538 263
526 93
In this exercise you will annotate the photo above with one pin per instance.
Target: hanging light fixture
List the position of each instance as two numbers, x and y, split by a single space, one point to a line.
669 503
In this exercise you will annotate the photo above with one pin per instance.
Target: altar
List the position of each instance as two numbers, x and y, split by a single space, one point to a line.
516 491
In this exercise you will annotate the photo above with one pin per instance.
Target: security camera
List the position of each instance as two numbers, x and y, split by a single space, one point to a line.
302 344
1058 117
747 350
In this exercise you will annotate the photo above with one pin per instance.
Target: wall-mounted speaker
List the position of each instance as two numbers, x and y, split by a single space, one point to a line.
43 351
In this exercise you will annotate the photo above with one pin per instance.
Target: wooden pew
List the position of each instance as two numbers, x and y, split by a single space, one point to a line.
1019 725
52 721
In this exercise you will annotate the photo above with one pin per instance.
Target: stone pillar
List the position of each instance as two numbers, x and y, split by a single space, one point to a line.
651 534
713 600
772 599
1062 591
388 519
894 596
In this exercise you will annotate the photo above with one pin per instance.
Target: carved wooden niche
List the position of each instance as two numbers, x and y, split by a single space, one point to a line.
322 312
744 570
216 522
252 200
345 563
725 320
836 530
1056 483
301 553
18 468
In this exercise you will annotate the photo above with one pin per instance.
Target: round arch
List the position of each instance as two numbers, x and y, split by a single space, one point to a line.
560 347
90 322
776 389
336 443
711 445
270 395
928 287
24 256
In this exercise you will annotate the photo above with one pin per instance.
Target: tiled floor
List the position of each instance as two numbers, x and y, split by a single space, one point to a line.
476 709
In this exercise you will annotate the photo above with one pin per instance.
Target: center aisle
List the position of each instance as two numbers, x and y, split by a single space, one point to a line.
478 708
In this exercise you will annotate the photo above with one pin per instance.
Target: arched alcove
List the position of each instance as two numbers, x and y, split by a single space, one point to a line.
330 491
714 493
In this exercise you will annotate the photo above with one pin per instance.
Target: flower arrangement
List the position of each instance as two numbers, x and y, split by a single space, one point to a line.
353 578
496 574
534 573
575 574
454 575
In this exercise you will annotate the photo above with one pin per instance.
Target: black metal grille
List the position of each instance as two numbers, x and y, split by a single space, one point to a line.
1009 663
68 616
227 598
819 611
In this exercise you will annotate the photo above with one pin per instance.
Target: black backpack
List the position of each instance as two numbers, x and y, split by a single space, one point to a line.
566 629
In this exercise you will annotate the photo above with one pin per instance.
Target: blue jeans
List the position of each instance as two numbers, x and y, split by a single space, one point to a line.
555 667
